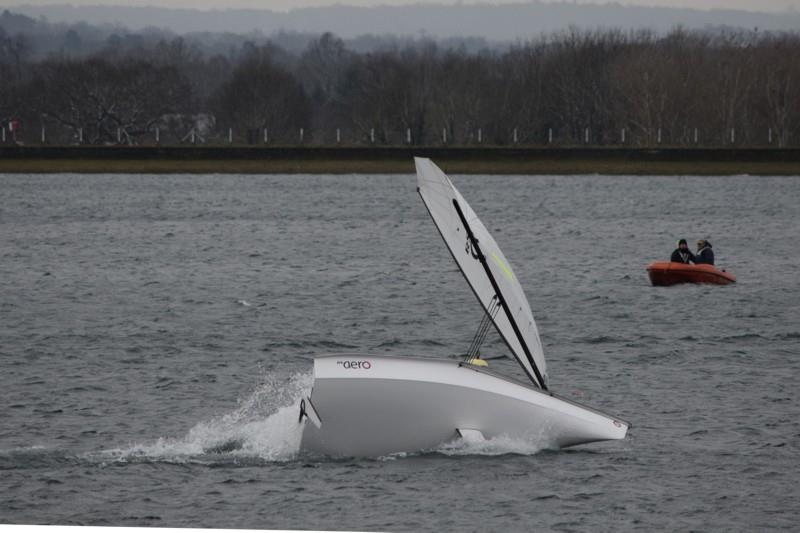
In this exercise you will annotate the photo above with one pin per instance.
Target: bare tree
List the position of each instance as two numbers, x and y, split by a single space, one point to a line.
460 87
321 70
580 94
387 94
780 93
259 95
104 102
110 85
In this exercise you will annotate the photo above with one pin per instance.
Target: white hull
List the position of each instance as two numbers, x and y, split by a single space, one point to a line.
378 405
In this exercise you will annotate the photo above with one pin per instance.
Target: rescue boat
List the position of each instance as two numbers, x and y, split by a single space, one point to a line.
668 273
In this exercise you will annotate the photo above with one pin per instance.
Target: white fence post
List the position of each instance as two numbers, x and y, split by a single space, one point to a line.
769 136
119 135
623 136
230 136
480 136
408 135
586 136
44 137
372 135
733 135
302 134
516 137
658 136
444 135
266 136
695 136
549 135
4 133
338 135
158 136
80 136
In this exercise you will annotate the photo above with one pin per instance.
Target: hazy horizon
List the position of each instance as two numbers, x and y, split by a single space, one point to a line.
499 22
288 5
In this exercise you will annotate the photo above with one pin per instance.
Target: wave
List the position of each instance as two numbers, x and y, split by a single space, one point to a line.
33 457
740 337
599 339
391 343
306 344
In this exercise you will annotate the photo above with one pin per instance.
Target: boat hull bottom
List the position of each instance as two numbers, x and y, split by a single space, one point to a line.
428 402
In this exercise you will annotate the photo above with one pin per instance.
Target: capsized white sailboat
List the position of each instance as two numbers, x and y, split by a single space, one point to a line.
373 405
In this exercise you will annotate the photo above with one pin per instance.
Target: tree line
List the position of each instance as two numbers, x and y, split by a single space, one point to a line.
602 87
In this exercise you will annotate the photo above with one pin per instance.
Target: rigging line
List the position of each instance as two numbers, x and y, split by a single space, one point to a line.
476 339
483 329
473 349
484 333
489 321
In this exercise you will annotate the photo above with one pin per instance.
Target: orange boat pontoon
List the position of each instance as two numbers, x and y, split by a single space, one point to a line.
668 273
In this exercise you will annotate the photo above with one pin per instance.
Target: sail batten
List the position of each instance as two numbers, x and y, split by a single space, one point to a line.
484 266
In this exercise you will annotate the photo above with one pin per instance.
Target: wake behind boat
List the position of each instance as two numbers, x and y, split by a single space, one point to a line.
369 405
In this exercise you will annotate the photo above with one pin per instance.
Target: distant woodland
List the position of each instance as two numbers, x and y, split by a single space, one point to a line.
74 84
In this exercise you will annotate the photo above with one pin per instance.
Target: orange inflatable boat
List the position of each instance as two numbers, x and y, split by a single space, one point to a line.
667 273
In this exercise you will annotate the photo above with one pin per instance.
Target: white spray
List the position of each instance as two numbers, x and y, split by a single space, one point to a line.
264 426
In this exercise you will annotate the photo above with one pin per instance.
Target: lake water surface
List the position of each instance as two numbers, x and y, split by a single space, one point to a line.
156 333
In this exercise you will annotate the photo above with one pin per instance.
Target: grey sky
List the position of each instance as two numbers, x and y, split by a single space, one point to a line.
283 5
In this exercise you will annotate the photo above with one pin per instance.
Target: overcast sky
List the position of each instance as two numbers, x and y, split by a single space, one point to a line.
283 5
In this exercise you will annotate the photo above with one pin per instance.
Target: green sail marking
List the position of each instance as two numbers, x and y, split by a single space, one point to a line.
505 268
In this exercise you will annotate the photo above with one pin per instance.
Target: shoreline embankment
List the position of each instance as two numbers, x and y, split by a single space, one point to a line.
225 159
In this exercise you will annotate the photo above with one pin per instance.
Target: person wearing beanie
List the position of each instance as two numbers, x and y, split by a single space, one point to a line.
705 255
682 253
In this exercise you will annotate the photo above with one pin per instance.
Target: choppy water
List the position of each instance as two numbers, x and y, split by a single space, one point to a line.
157 331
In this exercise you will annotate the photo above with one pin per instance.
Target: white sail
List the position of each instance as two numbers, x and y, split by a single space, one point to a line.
484 266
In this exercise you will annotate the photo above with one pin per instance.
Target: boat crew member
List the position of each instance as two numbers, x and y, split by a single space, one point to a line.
682 253
705 255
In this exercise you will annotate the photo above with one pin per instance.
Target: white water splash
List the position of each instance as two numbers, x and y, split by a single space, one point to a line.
499 445
478 445
264 426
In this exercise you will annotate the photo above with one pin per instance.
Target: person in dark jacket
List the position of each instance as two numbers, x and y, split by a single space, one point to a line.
682 253
705 255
